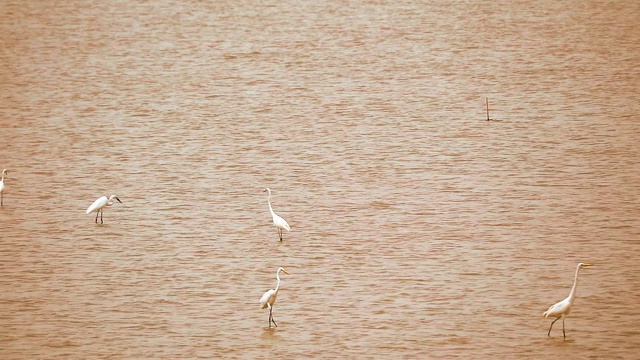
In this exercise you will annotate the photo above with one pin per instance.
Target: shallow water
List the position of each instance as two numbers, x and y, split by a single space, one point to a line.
418 228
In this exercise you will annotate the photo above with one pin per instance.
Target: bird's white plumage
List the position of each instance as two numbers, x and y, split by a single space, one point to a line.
558 309
4 172
280 222
102 202
268 298
98 204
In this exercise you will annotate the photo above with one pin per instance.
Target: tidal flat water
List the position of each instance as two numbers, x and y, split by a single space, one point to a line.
419 229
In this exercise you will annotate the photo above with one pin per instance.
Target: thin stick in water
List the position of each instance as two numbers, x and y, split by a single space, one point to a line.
487 101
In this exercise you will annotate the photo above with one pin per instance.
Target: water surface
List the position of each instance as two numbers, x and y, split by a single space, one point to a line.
419 230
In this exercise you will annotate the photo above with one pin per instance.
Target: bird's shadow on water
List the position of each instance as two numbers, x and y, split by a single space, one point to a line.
270 333
560 341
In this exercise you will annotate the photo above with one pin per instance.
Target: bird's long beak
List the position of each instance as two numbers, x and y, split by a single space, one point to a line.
587 265
118 200
285 271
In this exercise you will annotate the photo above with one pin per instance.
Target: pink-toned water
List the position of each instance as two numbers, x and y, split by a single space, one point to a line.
419 230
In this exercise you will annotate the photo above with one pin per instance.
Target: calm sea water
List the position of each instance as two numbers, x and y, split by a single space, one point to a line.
419 229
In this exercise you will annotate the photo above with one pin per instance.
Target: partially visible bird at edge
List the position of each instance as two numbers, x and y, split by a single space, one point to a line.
4 172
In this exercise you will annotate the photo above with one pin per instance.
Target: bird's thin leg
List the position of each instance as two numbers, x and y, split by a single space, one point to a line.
1 199
280 233
101 212
549 333
563 334
271 317
97 216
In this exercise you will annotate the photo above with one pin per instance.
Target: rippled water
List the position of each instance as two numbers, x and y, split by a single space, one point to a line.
419 230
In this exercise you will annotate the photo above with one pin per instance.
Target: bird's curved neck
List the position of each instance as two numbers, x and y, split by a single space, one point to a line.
270 208
572 294
278 282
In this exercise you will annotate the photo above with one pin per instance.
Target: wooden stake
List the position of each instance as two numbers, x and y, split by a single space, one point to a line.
487 101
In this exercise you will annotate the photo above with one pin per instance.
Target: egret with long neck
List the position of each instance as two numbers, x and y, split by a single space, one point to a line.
278 221
269 298
563 308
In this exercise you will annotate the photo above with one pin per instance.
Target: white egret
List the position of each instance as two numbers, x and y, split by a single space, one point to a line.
99 204
563 308
279 222
269 298
4 172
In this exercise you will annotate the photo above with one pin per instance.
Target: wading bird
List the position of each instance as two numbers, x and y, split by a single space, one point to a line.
99 204
279 222
269 298
4 172
563 308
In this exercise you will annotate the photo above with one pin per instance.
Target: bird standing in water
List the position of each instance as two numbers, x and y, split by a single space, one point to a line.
278 221
99 204
561 309
269 298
